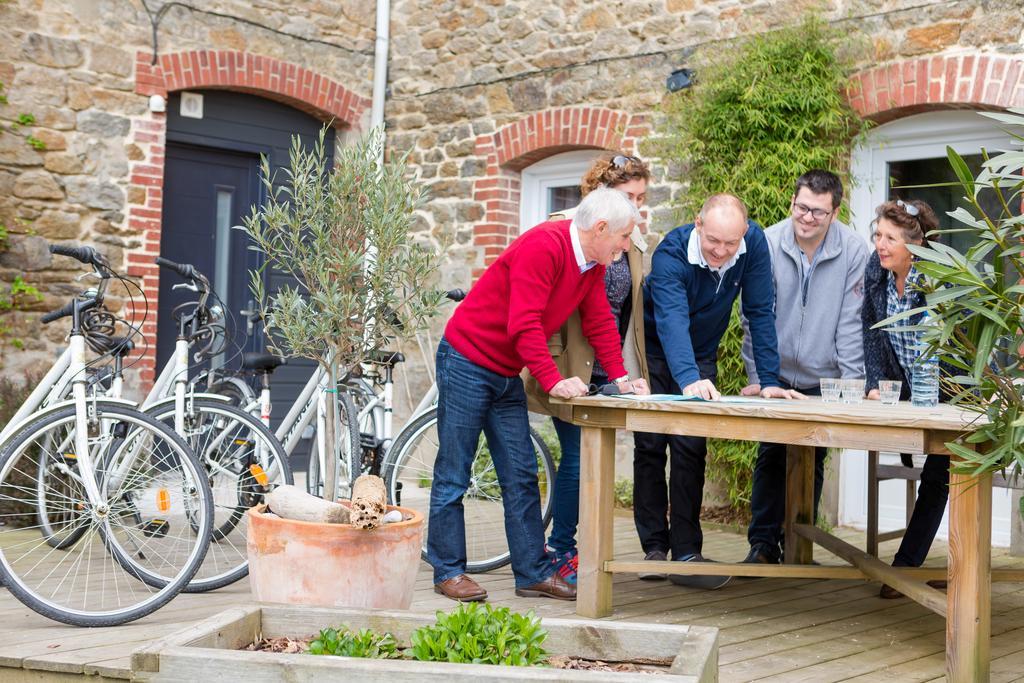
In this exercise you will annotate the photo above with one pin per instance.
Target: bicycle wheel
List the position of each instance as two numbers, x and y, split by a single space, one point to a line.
156 507
349 456
243 461
363 396
410 470
58 473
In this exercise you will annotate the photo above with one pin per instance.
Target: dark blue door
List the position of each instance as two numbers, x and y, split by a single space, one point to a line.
212 190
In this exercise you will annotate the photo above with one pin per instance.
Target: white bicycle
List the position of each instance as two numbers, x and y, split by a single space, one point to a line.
106 512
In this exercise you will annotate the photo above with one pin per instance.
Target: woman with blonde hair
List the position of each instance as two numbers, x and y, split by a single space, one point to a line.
574 357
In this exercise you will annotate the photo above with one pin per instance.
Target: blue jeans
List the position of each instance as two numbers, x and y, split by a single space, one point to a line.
471 399
566 502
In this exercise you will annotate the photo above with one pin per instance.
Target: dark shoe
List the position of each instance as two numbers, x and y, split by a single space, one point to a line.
658 556
887 592
552 587
761 554
461 589
698 581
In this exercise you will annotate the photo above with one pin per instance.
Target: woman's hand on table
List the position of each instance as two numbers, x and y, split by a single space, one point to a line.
874 395
636 386
779 392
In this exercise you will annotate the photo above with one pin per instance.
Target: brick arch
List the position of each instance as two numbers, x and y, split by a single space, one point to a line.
294 85
526 141
290 84
912 86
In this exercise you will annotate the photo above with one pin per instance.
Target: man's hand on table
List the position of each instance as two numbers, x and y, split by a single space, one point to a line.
751 390
570 387
779 392
704 388
634 386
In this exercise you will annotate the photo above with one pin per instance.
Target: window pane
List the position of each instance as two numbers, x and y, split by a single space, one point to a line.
562 198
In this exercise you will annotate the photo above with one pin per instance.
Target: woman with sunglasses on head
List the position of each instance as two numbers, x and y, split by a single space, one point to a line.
574 357
891 286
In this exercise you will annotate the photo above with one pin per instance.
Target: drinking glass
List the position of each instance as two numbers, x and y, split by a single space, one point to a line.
889 391
853 390
830 389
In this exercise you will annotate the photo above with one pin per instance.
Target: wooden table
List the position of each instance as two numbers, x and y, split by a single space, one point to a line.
803 425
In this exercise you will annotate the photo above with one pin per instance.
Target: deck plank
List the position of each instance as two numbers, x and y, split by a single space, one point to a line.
771 629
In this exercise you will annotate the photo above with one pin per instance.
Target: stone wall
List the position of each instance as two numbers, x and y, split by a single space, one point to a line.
82 69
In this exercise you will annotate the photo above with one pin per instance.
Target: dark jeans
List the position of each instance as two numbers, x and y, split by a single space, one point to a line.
565 513
768 497
932 495
471 399
681 534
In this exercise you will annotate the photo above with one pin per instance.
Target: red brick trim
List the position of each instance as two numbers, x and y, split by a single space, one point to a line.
290 84
975 81
285 82
515 146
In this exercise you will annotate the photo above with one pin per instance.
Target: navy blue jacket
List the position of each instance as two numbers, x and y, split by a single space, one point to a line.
686 312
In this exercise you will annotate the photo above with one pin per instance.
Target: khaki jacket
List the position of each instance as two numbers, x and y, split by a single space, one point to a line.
574 356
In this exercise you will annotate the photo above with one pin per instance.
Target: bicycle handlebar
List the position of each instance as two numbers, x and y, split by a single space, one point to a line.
185 270
455 294
62 312
86 255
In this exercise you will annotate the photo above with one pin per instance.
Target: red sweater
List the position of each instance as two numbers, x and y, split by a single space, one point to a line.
523 298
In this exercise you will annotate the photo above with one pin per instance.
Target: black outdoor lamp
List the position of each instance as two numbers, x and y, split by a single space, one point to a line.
679 80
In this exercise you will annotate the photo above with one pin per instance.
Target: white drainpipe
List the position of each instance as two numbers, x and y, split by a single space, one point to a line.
380 62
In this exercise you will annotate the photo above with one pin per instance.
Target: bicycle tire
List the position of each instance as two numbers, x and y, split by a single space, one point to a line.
410 461
349 457
224 440
362 394
122 480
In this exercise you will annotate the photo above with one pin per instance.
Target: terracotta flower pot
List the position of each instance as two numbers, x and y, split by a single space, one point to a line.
334 565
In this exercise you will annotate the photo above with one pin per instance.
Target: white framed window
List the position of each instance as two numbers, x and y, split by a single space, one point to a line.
912 151
552 184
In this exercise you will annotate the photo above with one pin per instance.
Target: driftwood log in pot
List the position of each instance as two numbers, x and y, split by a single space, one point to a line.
290 502
369 502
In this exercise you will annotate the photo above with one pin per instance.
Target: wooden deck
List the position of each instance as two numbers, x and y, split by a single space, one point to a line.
771 629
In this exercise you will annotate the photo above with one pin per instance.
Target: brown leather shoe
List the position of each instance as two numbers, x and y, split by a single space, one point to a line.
552 587
887 592
461 589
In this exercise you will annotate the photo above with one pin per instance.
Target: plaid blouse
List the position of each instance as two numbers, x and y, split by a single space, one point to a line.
904 344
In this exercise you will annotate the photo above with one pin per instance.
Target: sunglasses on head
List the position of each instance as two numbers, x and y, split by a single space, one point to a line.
911 210
621 161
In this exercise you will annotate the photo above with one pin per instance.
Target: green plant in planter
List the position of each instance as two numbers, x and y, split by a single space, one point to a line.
975 302
481 634
761 112
360 281
343 642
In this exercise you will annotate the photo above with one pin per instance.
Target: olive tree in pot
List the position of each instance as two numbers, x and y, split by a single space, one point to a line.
357 282
976 305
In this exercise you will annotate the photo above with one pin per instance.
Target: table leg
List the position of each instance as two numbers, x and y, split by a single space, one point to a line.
799 502
969 596
597 503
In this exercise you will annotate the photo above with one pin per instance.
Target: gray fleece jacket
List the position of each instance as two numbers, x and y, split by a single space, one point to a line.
819 329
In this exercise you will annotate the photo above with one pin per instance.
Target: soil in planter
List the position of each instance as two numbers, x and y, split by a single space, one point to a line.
287 645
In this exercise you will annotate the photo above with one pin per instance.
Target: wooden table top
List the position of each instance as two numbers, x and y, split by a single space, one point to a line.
942 417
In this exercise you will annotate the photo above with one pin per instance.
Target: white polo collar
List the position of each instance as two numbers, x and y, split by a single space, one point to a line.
696 257
577 249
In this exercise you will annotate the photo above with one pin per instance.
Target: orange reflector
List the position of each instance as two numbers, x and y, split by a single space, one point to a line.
163 500
259 475
71 456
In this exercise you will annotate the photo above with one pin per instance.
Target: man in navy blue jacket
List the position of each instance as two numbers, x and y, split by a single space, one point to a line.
697 272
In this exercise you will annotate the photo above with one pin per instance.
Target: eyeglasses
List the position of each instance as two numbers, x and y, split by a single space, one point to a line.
911 210
621 161
610 389
803 210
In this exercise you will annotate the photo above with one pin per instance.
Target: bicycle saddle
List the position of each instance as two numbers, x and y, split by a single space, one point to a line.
262 362
391 358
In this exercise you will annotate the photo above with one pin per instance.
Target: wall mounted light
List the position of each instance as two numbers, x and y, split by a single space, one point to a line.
157 104
680 79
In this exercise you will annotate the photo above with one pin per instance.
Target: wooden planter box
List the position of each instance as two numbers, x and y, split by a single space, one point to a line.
209 651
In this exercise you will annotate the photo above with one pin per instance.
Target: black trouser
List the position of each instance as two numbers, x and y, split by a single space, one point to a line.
924 522
768 497
681 535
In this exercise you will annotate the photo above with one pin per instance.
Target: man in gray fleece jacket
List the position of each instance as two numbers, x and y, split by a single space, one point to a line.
818 267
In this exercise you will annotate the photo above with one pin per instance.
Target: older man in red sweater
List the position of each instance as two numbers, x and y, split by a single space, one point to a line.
503 325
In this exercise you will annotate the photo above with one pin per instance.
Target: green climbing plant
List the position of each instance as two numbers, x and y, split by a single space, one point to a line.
18 293
760 114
